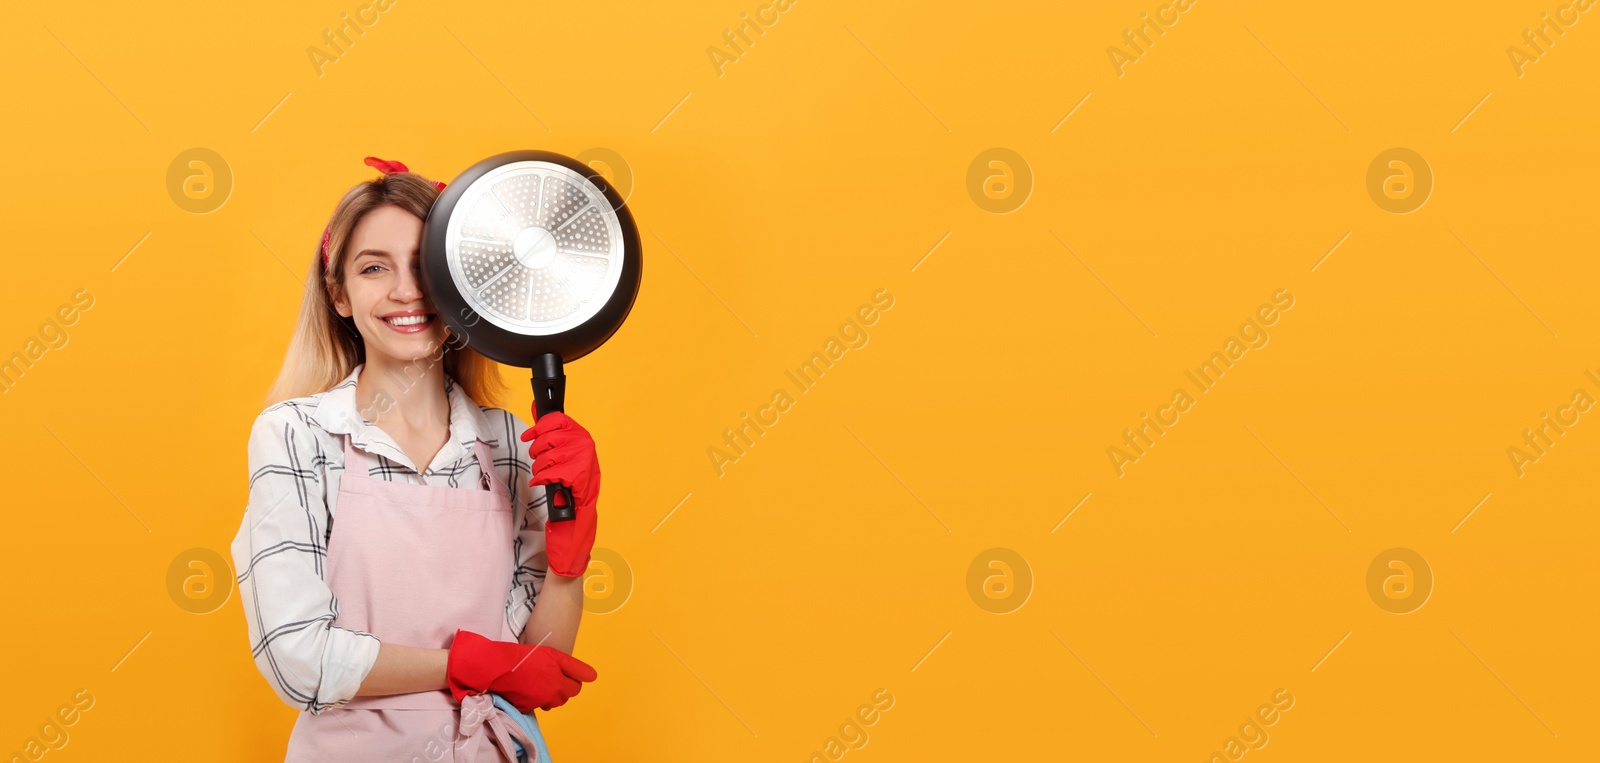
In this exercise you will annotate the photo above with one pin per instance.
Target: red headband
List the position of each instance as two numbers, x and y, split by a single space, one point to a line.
388 168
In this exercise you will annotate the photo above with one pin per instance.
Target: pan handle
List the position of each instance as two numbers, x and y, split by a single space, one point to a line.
550 394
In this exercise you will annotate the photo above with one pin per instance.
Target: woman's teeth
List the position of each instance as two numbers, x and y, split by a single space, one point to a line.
408 320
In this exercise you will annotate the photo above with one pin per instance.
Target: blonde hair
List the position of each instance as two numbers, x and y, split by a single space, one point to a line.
326 346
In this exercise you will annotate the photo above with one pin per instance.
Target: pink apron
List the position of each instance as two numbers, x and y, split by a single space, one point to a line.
410 564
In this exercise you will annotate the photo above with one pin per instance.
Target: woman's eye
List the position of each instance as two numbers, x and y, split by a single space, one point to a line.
368 268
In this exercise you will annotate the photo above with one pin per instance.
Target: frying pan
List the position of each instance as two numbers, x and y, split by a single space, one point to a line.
532 259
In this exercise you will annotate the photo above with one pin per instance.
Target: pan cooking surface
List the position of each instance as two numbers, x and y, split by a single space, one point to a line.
534 247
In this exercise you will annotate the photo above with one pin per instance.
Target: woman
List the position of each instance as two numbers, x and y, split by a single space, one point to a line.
392 559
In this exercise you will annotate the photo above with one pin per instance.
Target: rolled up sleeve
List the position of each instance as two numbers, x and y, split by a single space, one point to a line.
280 555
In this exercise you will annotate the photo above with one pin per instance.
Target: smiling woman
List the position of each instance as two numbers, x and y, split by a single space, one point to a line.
394 564
383 286
327 341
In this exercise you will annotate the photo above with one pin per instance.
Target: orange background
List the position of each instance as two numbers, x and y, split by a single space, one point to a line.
829 161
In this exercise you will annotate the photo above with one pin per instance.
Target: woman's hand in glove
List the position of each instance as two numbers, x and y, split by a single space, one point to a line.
563 452
527 676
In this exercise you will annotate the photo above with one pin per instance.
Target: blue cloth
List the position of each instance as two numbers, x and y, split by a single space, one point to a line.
529 727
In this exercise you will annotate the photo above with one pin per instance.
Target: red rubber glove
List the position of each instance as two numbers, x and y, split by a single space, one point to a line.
527 676
563 452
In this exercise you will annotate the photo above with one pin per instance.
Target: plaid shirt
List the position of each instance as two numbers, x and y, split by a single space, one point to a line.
296 460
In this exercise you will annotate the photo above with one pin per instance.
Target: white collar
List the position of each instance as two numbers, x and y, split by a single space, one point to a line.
337 412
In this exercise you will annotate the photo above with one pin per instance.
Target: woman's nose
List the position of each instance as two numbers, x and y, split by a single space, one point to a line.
408 287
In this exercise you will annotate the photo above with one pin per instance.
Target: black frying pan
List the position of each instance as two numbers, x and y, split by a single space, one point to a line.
532 259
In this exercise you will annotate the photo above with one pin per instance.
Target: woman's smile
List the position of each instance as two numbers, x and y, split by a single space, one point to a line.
409 321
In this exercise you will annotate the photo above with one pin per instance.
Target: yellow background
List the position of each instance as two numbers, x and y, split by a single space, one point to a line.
820 167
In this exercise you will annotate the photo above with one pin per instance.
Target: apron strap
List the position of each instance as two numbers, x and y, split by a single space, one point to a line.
486 465
355 458
478 711
480 721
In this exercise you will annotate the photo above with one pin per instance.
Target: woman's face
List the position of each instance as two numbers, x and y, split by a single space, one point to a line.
383 287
